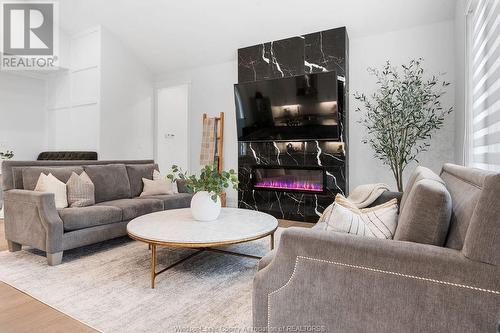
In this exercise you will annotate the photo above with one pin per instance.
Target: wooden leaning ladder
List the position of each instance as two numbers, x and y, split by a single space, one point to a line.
219 128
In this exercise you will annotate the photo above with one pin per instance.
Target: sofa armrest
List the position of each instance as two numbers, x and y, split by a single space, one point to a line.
31 218
344 282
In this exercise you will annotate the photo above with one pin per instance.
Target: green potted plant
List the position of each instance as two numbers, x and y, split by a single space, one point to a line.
402 115
206 203
6 155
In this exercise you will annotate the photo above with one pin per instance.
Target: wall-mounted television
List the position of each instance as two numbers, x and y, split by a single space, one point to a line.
298 108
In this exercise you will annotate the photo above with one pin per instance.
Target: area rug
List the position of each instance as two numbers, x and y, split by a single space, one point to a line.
107 286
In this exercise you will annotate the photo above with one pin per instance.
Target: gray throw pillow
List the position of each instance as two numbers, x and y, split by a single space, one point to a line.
80 190
425 217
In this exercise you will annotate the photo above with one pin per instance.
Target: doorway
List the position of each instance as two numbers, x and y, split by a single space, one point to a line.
172 137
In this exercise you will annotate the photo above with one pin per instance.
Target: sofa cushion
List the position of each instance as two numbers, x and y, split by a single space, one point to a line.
132 208
31 174
135 174
181 186
91 216
425 217
172 201
419 173
110 181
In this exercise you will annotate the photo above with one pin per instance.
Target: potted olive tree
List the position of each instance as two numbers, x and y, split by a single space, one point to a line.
402 115
205 204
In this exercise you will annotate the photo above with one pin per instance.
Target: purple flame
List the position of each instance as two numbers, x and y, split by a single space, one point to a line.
290 185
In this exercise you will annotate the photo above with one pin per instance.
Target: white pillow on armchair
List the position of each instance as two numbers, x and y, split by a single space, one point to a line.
342 216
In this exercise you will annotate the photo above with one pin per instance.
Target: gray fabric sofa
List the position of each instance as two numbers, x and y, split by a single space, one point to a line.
32 219
335 282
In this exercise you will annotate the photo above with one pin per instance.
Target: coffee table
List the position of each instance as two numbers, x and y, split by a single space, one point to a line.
177 228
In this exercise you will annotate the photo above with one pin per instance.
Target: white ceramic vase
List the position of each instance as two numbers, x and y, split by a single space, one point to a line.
203 208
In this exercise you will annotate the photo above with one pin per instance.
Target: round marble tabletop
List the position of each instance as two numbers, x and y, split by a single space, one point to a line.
176 227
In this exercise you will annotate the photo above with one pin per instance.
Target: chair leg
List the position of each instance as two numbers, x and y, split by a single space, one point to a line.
13 246
54 259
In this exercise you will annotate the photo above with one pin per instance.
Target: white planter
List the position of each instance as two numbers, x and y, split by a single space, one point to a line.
203 208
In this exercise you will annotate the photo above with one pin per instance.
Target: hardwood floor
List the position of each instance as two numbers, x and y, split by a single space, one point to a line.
21 313
288 224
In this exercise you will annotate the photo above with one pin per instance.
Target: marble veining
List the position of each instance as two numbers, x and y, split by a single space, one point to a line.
271 60
291 205
324 51
257 159
278 152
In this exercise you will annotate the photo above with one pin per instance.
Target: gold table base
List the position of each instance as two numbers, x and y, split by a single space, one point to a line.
154 273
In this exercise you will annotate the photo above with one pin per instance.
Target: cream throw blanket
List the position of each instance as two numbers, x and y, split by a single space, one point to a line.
208 141
364 195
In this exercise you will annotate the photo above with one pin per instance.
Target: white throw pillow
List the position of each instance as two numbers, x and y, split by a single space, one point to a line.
158 176
80 190
156 186
50 184
379 221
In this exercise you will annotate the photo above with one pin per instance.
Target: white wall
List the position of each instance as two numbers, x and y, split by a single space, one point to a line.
212 92
103 102
73 96
435 44
22 115
126 128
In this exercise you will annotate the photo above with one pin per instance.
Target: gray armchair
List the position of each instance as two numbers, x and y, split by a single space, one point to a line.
332 282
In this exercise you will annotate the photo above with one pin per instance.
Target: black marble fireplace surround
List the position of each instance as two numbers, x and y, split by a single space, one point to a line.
286 195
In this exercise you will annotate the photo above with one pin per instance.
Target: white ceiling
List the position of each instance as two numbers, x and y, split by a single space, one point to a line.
170 35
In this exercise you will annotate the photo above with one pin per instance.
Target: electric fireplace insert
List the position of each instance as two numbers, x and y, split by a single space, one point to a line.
289 179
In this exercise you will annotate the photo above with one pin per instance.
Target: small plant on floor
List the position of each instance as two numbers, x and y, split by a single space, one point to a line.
209 180
402 115
6 155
